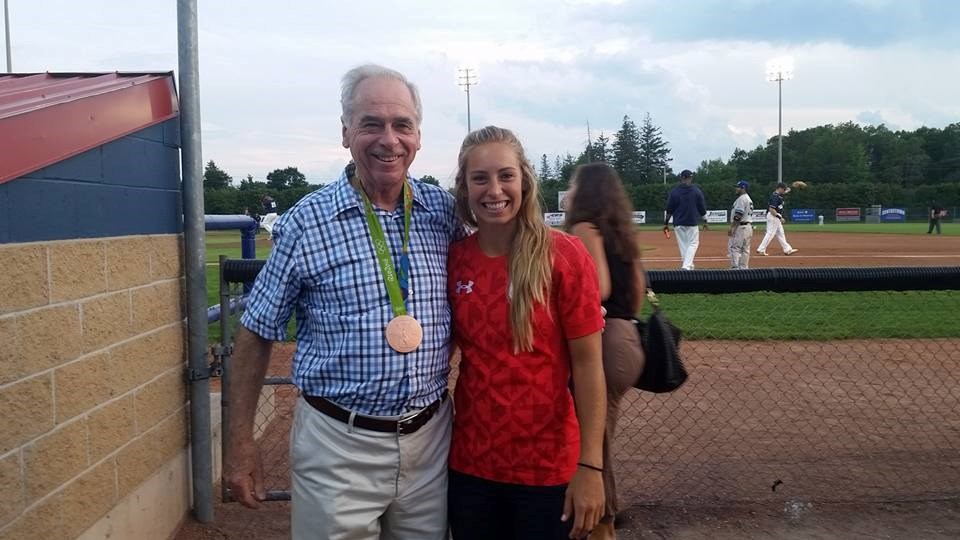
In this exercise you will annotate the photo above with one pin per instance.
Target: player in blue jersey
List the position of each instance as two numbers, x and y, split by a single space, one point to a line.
686 205
775 221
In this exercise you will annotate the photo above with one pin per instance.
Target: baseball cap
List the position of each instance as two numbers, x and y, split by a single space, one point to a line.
743 184
686 173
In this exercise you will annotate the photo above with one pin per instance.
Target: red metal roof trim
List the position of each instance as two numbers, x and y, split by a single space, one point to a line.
48 117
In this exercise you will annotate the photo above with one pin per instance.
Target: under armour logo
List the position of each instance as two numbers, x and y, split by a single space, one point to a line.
464 288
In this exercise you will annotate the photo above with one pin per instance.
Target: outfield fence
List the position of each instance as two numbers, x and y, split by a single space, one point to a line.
764 420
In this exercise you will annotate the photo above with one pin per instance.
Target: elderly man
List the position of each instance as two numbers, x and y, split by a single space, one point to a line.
363 261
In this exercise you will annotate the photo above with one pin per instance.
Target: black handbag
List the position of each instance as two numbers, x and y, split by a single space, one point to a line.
663 370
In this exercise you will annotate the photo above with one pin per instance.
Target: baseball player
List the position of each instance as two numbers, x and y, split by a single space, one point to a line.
936 212
741 229
686 205
775 221
269 214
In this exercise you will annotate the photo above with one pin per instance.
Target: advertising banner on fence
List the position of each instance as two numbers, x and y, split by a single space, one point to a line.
848 214
893 214
716 216
802 215
554 219
759 215
640 217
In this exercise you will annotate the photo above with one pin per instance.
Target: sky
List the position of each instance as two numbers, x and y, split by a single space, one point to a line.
270 71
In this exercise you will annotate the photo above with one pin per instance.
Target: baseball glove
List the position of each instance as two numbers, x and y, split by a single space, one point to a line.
799 184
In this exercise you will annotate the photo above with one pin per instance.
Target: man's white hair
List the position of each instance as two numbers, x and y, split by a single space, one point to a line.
353 78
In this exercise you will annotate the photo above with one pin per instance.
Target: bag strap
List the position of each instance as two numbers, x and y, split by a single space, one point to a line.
652 298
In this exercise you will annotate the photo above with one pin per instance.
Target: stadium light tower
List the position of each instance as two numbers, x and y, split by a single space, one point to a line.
779 70
467 77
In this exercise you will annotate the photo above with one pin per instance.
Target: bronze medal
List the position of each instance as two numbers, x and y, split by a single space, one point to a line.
404 334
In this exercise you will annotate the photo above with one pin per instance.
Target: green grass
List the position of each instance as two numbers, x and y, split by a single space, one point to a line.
756 316
815 316
225 243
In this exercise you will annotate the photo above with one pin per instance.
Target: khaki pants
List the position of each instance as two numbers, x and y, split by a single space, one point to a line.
356 484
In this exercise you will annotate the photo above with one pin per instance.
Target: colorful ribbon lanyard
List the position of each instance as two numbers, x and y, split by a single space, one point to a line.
396 280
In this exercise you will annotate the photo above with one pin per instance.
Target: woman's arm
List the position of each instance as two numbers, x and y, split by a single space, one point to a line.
591 238
585 492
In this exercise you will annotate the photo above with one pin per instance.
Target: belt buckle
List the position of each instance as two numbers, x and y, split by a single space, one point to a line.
409 421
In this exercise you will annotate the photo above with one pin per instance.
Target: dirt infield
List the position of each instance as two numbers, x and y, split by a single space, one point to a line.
844 439
814 250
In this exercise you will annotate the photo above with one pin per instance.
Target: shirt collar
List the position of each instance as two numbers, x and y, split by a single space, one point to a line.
345 196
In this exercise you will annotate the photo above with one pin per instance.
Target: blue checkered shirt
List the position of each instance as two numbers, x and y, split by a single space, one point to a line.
323 264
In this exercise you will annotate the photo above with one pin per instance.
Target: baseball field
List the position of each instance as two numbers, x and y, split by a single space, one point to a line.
809 415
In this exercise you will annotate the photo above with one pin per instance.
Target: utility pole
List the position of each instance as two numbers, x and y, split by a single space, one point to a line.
467 77
589 144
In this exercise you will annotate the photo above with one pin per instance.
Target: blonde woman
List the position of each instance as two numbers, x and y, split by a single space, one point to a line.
524 461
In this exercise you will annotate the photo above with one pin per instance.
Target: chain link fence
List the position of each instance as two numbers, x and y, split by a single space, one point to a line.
278 397
792 396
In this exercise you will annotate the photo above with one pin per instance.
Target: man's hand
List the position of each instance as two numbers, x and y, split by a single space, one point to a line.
781 218
584 500
243 472
242 469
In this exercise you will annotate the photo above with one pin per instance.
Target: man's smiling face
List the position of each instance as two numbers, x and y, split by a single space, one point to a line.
383 134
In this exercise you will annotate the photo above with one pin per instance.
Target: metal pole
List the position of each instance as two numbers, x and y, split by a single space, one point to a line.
466 81
195 260
780 128
469 130
6 26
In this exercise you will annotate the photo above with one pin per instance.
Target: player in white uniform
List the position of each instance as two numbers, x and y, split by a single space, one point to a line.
269 214
775 221
741 228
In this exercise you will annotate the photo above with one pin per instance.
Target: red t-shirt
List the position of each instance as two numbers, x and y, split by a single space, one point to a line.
515 420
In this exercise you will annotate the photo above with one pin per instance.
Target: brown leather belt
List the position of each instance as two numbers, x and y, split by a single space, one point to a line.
403 426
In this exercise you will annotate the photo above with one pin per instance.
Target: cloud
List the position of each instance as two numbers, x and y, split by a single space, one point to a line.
866 23
269 82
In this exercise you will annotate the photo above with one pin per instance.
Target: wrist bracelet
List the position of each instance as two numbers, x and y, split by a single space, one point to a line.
591 467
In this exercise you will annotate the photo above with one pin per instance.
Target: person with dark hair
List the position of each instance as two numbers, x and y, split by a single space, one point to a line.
600 214
526 460
371 431
775 221
936 212
687 206
268 214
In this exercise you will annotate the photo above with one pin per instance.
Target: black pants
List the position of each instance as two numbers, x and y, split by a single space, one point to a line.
485 510
934 223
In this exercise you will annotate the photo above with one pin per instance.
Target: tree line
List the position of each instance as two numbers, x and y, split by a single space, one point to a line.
286 186
843 165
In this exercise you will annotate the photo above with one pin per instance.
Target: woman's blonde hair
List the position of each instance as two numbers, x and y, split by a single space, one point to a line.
529 261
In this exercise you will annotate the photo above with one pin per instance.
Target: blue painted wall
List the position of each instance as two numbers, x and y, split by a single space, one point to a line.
126 187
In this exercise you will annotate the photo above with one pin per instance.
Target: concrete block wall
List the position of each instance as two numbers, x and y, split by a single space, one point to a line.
92 384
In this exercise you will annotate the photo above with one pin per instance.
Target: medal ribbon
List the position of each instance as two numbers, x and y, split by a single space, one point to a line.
396 280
